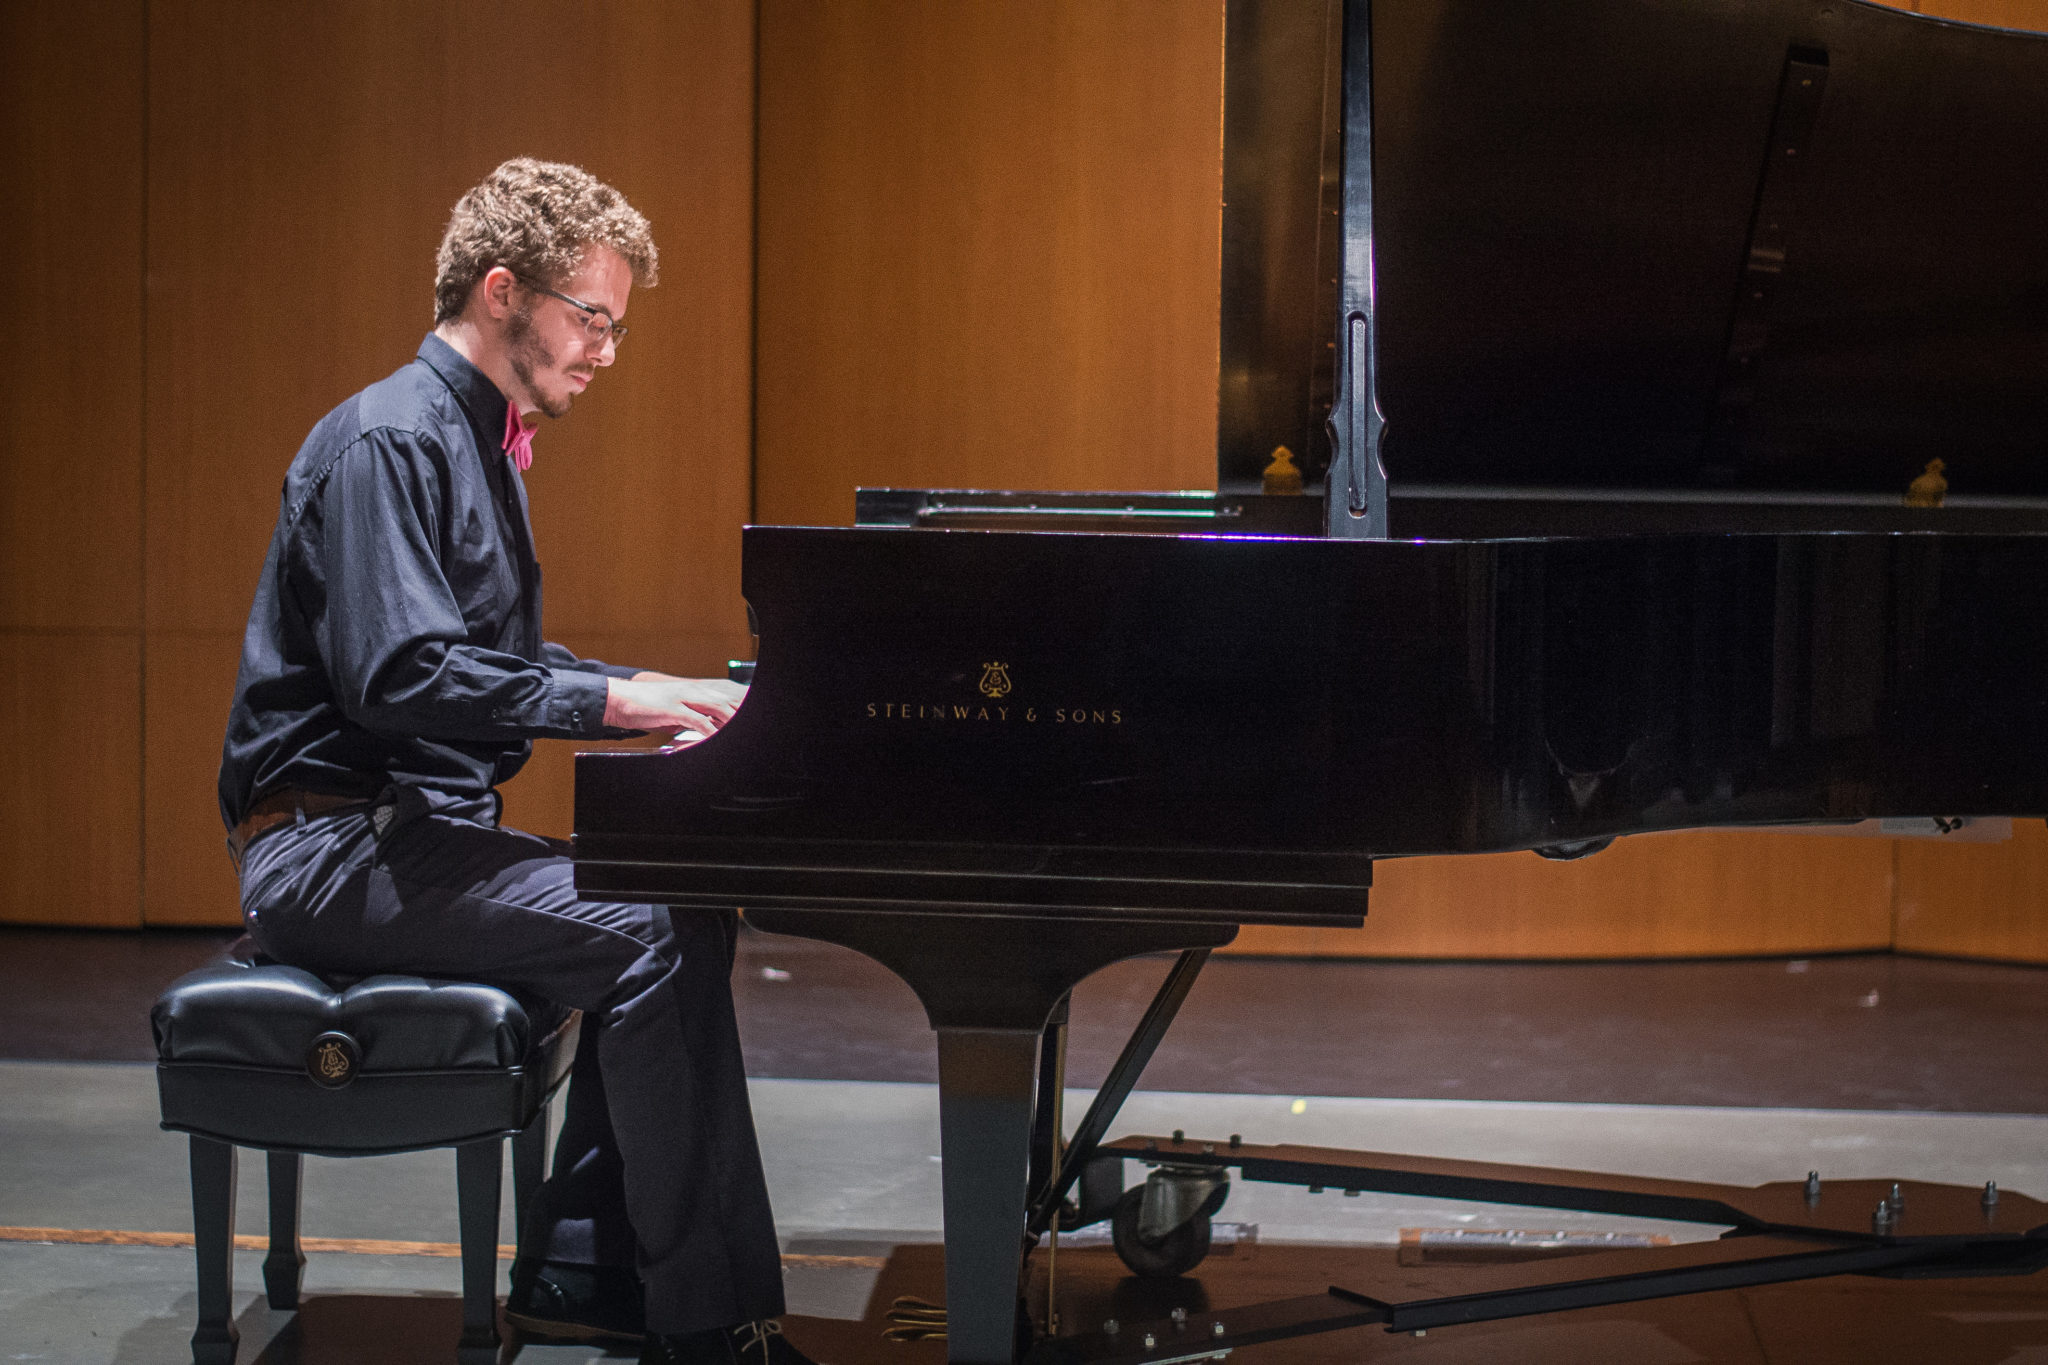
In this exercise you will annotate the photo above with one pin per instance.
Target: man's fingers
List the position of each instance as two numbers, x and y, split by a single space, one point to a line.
700 706
703 696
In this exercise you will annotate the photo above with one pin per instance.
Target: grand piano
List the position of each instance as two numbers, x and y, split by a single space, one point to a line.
1611 337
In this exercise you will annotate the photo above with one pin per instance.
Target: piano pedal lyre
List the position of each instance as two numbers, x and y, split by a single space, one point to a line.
914 1319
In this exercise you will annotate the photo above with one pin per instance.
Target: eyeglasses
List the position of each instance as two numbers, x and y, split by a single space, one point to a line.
597 326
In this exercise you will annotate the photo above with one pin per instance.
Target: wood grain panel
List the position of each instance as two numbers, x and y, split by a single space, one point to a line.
303 160
989 243
189 681
1976 900
302 165
71 275
70 809
1705 893
2029 14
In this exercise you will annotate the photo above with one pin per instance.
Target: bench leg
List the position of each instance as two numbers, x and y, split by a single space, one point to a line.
479 1178
213 1238
283 1267
529 1168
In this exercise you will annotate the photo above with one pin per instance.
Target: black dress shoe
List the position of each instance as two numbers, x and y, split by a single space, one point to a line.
576 1302
750 1343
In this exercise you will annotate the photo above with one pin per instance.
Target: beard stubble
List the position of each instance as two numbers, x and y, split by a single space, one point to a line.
528 354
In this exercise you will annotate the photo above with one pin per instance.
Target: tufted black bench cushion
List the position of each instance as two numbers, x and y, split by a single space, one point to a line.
409 1061
269 1056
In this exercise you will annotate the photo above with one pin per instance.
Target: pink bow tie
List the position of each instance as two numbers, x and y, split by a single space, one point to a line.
519 437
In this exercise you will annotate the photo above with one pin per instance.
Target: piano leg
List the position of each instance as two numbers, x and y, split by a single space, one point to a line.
989 984
987 1080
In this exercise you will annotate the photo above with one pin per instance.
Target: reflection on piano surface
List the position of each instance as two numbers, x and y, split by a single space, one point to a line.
1666 304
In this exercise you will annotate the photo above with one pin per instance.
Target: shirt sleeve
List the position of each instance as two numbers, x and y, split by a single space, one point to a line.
561 657
393 637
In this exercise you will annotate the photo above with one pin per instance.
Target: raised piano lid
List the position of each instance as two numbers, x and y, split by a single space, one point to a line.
1709 245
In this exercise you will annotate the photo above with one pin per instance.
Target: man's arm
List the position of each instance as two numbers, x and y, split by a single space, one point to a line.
561 656
698 705
391 631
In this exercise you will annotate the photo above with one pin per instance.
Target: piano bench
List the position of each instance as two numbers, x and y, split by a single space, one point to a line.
272 1057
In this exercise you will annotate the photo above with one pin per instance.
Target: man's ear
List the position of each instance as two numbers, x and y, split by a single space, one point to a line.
496 288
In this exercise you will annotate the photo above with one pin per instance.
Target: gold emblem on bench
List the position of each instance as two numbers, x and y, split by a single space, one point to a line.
333 1059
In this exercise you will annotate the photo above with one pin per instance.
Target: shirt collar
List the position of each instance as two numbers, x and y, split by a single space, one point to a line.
472 388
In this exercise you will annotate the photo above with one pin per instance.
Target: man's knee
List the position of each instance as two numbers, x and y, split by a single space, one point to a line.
676 943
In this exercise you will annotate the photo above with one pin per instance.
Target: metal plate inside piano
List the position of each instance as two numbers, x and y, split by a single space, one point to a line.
1179 513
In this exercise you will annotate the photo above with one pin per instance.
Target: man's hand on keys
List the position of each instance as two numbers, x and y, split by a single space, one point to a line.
658 702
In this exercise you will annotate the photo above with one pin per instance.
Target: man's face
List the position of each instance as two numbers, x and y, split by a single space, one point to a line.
549 340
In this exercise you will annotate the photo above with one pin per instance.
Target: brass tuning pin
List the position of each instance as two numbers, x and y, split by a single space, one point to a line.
1930 488
1282 477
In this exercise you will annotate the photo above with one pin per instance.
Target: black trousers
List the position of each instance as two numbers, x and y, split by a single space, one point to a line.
657 1165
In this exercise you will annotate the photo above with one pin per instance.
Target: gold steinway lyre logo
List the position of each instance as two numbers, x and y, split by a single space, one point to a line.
332 1059
999 704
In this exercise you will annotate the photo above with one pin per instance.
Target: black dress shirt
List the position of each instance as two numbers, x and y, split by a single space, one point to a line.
396 633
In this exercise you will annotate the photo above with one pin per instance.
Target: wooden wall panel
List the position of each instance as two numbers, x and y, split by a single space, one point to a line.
71 807
2029 14
189 680
71 461
1705 893
988 247
302 163
1976 900
71 276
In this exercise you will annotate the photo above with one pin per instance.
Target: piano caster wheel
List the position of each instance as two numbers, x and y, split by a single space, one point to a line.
1176 1253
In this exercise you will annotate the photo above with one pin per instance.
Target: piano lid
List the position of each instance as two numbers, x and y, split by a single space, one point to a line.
1731 245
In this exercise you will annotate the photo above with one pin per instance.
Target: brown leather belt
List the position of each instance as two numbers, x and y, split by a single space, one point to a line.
279 807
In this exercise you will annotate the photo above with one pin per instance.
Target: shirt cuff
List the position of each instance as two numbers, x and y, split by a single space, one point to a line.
576 703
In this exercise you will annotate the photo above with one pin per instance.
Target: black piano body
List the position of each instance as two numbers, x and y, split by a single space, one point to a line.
1234 727
1666 303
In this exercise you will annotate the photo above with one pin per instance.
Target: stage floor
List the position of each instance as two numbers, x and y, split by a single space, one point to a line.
1870 1031
854 1174
1739 1072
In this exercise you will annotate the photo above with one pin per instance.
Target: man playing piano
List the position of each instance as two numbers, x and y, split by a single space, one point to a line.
394 673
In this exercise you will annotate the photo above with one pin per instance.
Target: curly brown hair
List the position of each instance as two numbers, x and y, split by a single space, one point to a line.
535 218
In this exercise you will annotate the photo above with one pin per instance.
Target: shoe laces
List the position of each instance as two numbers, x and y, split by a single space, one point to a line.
753 1336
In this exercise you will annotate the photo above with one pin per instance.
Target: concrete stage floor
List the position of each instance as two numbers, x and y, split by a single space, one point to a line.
1681 1070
